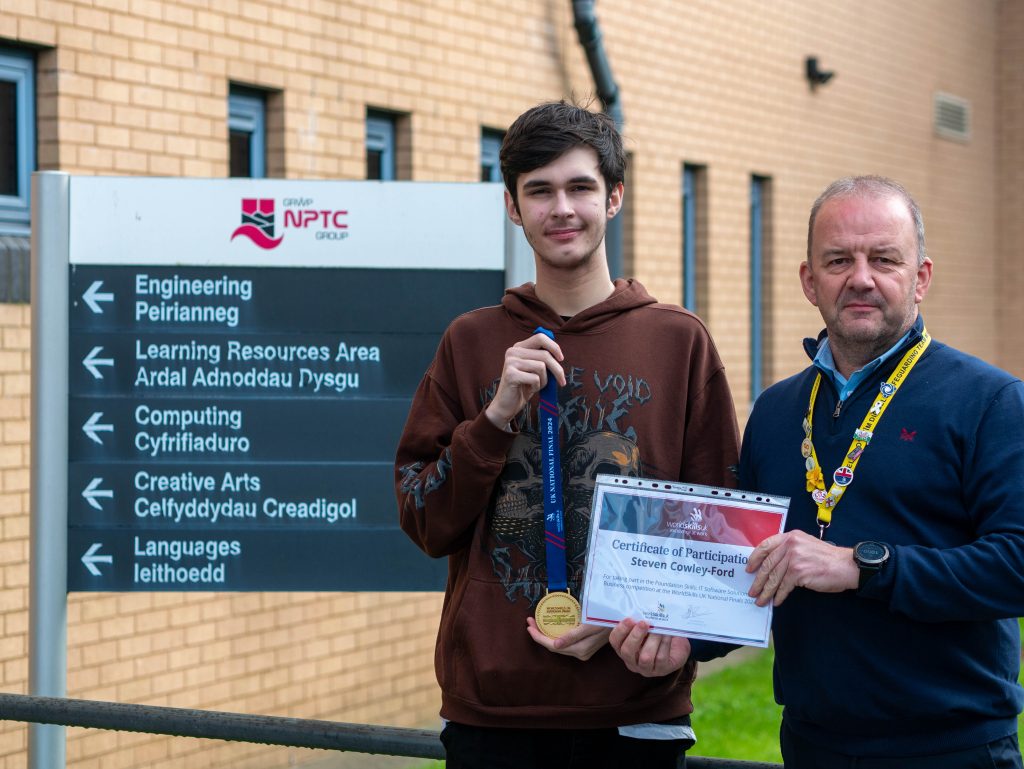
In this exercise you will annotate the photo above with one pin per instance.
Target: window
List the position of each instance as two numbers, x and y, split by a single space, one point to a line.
17 139
759 246
694 238
380 146
620 238
490 147
247 131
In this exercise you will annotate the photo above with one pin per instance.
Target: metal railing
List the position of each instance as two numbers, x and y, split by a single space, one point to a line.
264 730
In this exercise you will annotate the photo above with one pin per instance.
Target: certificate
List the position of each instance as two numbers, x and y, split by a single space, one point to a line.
675 555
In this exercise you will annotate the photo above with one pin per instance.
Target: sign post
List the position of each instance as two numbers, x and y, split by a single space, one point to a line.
47 661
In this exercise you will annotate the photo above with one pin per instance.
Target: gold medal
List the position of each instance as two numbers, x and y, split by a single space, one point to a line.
557 614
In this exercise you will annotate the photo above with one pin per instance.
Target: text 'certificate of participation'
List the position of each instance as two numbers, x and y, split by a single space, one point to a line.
675 556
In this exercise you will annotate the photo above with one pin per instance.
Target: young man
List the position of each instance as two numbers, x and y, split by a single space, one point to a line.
641 392
901 575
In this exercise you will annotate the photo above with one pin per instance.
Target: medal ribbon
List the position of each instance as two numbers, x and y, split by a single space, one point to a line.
551 469
843 476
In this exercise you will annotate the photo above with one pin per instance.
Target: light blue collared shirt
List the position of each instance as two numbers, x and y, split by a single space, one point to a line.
827 364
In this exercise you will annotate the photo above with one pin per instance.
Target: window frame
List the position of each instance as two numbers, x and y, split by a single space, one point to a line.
380 137
247 113
759 191
689 203
490 151
18 67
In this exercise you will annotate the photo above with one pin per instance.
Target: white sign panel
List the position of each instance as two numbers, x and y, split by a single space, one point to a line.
264 223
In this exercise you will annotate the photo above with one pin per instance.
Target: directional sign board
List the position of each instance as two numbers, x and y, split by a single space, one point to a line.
241 358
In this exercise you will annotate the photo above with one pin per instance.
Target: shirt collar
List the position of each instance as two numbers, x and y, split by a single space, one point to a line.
827 364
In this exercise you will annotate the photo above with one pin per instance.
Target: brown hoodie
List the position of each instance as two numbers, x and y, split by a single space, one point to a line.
646 396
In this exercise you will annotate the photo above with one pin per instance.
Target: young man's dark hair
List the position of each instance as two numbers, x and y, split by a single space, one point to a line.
546 132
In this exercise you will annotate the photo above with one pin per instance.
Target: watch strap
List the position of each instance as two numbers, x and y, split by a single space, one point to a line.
869 568
866 573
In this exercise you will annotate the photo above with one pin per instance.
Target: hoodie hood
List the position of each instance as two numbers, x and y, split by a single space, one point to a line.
523 305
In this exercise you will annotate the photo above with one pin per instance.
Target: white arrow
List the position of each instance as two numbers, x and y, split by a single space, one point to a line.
91 362
90 559
93 297
91 492
92 427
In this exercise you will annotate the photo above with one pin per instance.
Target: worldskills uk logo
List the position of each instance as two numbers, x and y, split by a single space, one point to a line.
656 614
258 222
695 527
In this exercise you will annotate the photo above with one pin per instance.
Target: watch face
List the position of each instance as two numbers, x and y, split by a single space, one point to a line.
872 552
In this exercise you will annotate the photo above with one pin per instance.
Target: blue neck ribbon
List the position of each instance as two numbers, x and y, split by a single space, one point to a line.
551 468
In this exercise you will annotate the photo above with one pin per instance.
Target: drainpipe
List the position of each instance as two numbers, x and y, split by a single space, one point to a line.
589 34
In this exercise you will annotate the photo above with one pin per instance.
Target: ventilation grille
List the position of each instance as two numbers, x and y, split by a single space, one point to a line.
952 117
14 269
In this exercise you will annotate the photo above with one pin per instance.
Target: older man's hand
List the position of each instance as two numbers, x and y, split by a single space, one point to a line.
796 559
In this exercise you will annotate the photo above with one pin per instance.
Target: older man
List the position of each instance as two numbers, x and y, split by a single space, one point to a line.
901 574
905 464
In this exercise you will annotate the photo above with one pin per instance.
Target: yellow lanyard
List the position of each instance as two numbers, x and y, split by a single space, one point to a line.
826 501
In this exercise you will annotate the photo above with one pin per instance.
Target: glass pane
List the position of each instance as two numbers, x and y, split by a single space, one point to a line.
374 164
8 138
241 154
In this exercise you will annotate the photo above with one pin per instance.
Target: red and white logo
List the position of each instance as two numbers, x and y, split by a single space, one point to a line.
299 214
258 222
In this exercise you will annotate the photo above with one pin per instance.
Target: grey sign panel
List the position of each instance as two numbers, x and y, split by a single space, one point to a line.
242 559
250 364
276 299
230 430
283 496
234 428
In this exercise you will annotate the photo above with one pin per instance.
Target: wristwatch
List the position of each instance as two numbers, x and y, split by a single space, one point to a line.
870 557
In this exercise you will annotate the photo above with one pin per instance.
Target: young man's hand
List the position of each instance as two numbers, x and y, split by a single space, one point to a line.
582 642
646 653
527 366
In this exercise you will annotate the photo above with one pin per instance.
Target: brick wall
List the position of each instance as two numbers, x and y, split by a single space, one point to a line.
14 543
361 658
721 85
141 86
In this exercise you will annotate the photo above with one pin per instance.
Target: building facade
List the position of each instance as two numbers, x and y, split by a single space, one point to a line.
731 131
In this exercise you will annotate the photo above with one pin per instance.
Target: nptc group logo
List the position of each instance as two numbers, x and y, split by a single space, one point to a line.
258 222
323 224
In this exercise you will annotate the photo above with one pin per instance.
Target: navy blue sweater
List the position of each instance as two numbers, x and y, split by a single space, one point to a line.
925 657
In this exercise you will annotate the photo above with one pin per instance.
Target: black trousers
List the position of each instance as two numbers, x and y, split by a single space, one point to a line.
798 753
471 747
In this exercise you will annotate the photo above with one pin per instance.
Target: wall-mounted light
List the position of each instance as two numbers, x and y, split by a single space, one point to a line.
816 76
